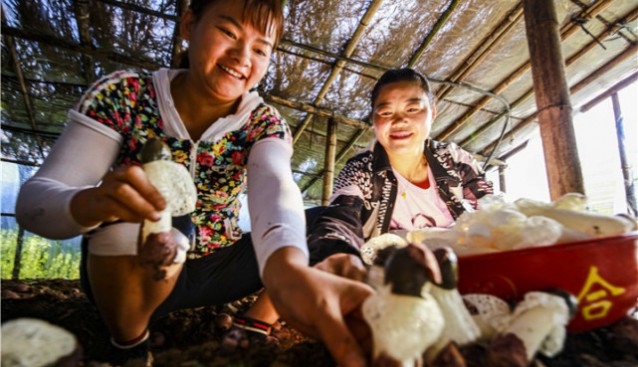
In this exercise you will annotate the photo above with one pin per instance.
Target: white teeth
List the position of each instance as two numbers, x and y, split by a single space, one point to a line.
231 72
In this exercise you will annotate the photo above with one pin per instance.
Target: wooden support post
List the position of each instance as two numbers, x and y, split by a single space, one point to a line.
331 149
552 99
17 259
628 178
502 182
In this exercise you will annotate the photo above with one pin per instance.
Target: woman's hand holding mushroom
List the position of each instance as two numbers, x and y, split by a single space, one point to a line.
125 194
345 265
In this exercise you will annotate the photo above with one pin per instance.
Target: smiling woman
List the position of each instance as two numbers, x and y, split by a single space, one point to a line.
404 180
221 131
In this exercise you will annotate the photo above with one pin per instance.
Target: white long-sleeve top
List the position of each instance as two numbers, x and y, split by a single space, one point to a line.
108 127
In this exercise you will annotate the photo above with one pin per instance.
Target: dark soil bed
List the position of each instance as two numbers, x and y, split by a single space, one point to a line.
192 338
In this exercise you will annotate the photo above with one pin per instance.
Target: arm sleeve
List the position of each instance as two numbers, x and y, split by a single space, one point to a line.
475 185
79 159
274 200
339 229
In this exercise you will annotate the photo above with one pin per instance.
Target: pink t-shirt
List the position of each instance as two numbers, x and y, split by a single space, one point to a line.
417 208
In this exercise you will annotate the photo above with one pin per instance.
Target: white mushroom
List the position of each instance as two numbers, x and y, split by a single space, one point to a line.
594 224
160 244
489 312
28 342
405 319
172 180
459 325
540 319
370 249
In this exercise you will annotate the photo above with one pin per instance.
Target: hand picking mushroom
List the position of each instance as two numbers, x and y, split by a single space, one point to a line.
376 273
459 325
37 343
540 319
405 319
370 249
160 244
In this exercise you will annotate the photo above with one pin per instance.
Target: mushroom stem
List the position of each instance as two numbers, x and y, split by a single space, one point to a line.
532 327
164 224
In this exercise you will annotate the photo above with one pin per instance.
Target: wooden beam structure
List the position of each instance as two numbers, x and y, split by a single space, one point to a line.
352 44
329 161
625 164
482 50
569 61
566 32
552 99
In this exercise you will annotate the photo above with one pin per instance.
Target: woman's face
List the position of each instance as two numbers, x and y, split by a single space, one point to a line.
227 55
402 117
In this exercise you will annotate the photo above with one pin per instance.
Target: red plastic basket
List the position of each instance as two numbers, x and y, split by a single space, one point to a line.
601 273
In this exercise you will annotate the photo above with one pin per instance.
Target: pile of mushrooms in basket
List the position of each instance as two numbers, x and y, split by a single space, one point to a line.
516 277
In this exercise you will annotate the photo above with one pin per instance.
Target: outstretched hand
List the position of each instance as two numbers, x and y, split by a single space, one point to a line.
319 304
124 194
345 265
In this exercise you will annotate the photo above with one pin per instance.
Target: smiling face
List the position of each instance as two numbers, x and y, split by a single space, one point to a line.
228 56
402 118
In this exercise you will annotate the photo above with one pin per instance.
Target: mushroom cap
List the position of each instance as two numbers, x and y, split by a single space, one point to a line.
36 343
370 249
175 184
410 268
154 150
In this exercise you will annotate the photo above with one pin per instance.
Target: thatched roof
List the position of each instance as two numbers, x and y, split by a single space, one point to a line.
475 51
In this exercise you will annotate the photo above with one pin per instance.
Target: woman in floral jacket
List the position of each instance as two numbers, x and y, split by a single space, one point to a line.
220 130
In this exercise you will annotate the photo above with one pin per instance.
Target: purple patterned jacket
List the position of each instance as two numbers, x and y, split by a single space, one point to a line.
350 220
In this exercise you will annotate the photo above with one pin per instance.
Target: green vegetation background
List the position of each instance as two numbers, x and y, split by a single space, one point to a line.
41 258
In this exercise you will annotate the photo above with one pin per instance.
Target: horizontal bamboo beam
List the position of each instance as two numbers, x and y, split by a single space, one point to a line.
609 92
309 108
566 32
352 44
84 49
629 52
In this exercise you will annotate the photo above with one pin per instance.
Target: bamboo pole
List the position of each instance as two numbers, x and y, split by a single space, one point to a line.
82 18
177 49
329 170
26 97
502 182
72 46
590 78
310 109
627 53
17 259
340 156
483 49
625 165
437 27
552 99
566 32
609 92
352 44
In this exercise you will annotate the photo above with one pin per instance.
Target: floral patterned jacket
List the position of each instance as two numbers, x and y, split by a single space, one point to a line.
129 103
351 219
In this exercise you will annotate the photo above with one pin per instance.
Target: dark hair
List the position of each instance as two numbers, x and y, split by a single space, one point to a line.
402 75
263 15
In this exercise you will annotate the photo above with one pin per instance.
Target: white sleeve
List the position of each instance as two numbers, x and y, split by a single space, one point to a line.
79 159
274 200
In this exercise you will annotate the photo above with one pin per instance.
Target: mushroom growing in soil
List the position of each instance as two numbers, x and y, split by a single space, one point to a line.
28 342
405 319
460 327
540 321
160 244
